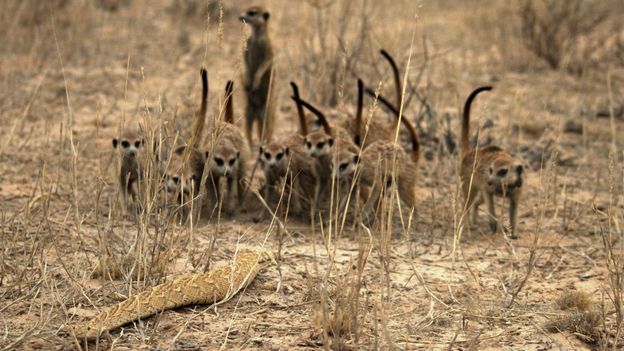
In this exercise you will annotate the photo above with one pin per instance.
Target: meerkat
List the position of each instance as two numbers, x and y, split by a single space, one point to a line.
381 164
487 172
258 75
365 134
185 166
322 145
399 96
227 157
131 147
287 159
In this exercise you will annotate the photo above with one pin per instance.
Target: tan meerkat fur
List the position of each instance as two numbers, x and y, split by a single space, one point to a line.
214 287
131 147
487 172
375 130
185 166
381 164
258 76
226 158
322 145
288 160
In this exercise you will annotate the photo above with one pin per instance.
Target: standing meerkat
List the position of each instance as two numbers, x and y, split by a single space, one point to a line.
487 172
227 157
131 148
258 75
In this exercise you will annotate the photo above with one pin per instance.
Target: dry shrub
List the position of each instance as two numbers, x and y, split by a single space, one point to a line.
129 266
338 314
574 299
582 317
332 50
551 28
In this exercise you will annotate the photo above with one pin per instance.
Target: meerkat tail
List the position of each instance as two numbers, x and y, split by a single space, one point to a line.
302 121
404 120
465 129
358 114
229 97
397 77
213 287
200 119
316 112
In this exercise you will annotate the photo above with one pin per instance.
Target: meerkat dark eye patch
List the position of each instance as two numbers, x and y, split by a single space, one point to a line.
175 179
320 145
232 161
502 172
125 144
266 16
309 145
137 144
519 169
279 156
267 155
343 167
252 13
219 161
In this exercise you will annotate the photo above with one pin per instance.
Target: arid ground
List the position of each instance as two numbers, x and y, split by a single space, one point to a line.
73 72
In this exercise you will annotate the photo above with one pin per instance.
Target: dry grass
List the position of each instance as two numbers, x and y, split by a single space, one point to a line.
74 72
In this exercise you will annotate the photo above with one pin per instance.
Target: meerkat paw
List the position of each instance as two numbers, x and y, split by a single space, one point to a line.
493 226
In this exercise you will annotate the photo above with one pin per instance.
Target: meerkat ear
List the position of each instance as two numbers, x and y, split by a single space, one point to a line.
266 15
356 159
305 140
237 154
286 151
261 150
519 169
330 141
207 154
115 142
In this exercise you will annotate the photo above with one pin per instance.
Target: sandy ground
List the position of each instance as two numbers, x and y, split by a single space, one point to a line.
419 289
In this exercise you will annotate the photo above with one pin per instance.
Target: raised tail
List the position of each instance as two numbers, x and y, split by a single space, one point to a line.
200 118
397 77
303 126
358 114
465 129
410 128
316 112
229 110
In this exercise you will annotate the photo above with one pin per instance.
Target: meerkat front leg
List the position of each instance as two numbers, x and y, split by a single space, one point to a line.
232 185
514 200
492 219
475 208
294 191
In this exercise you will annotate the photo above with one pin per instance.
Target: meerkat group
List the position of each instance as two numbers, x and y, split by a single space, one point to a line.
360 153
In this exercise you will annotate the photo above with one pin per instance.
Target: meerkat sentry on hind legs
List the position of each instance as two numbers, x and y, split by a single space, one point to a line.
487 172
258 76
